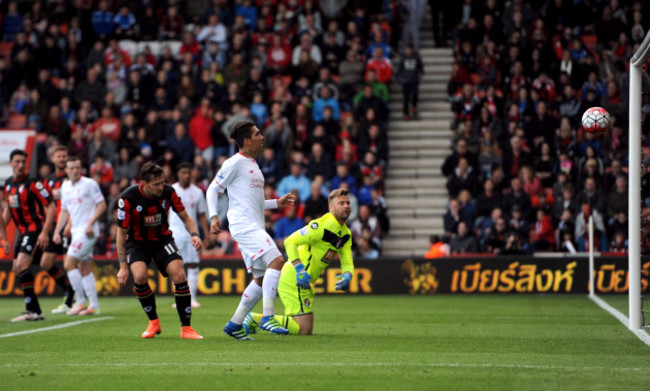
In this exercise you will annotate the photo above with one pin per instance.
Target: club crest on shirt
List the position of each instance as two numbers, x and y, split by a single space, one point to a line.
120 203
314 225
138 208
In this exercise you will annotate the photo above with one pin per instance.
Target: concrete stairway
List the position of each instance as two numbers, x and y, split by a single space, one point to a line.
415 188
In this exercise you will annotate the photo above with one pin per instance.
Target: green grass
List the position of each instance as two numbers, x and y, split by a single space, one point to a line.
442 342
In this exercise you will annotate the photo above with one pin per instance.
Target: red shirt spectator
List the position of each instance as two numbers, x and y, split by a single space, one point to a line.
200 126
279 54
381 65
103 169
112 50
108 125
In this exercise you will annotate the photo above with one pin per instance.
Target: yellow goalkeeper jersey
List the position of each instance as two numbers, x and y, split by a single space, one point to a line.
316 245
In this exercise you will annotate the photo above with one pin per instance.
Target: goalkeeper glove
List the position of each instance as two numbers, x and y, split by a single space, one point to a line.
344 283
302 277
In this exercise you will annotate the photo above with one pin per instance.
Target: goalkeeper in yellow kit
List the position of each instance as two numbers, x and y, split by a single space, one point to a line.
310 251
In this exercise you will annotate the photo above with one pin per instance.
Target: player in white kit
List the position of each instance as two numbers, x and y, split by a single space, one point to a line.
83 202
242 178
194 202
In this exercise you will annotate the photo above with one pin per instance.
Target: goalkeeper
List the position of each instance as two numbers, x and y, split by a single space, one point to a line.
310 251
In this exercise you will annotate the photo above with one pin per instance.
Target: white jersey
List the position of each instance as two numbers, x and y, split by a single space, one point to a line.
244 180
80 200
194 203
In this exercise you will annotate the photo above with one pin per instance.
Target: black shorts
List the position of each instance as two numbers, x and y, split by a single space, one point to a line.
59 249
161 253
26 243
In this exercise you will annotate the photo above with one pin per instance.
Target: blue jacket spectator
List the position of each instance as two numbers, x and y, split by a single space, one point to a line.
102 20
343 176
248 12
288 224
326 99
12 22
296 180
124 20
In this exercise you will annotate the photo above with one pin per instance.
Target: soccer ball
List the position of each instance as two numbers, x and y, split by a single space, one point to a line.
595 120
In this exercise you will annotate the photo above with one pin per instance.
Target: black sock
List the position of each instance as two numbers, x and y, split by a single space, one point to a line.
26 281
147 300
183 303
61 278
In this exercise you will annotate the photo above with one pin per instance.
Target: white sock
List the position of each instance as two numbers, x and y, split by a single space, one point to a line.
252 294
75 281
269 290
90 288
193 281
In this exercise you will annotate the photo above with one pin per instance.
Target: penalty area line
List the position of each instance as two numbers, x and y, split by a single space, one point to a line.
641 334
58 326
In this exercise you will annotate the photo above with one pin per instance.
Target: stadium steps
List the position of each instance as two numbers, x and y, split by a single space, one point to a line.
415 188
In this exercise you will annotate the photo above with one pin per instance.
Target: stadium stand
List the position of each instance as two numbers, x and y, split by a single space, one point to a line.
523 75
124 74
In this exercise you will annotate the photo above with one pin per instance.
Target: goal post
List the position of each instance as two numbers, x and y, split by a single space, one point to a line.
634 184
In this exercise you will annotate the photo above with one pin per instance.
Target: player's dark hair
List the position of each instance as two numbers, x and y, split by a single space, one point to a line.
16 152
337 193
150 171
183 165
240 131
73 159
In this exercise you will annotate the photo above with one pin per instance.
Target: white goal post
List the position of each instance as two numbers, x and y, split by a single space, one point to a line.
634 185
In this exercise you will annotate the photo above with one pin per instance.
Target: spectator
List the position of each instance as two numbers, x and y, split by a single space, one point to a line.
381 65
453 217
319 163
248 12
326 100
125 23
306 45
517 196
108 125
600 236
410 71
102 20
103 169
172 24
12 22
462 179
464 242
316 205
343 176
287 225
295 181
181 144
200 131
126 165
215 32
368 221
438 249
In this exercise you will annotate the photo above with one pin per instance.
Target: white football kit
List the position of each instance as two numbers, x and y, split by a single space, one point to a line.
244 180
194 203
80 201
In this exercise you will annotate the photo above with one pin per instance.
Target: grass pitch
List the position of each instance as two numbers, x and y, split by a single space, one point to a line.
441 342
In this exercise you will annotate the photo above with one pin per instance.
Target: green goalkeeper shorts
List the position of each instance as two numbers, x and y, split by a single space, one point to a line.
296 301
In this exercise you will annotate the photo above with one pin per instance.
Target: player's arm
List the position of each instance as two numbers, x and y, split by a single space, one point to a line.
120 241
3 235
190 226
309 234
99 212
43 196
203 221
347 267
212 199
63 220
283 202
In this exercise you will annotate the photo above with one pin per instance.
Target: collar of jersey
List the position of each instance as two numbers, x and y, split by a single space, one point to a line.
246 157
142 192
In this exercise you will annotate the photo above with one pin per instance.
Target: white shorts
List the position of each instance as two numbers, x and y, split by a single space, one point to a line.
258 250
188 252
81 247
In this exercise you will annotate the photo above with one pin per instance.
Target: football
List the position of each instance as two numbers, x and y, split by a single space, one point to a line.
595 120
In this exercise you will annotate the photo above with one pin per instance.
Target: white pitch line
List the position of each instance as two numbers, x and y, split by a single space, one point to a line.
641 334
346 364
58 326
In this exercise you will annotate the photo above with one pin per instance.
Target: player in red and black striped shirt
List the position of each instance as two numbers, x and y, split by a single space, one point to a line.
59 157
28 204
144 236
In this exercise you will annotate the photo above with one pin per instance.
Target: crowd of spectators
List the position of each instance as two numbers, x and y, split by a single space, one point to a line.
122 83
523 175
